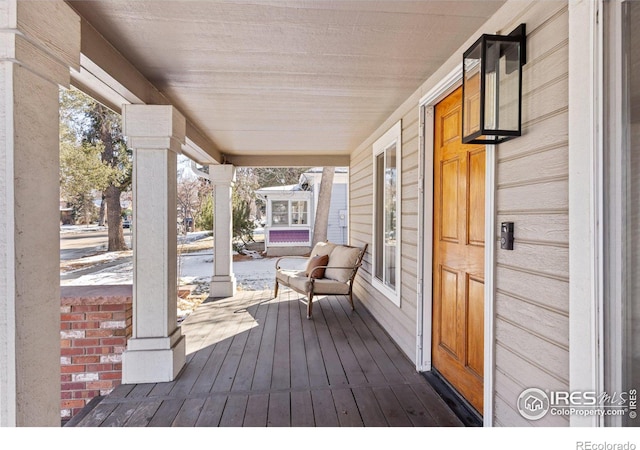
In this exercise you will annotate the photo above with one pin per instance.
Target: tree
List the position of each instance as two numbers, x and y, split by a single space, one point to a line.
93 125
244 189
242 224
81 174
278 176
324 203
204 219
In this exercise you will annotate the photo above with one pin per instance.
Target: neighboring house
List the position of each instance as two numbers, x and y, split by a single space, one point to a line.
290 213
374 86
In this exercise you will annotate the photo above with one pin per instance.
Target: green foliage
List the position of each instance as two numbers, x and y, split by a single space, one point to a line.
82 169
243 225
204 218
98 130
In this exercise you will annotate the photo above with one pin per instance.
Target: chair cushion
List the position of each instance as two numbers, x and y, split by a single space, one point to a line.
341 256
299 282
326 286
322 248
283 275
313 266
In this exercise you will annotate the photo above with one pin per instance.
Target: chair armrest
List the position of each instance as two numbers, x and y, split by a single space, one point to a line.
334 267
288 257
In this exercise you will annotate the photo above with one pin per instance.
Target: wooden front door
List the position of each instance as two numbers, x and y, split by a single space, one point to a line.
458 254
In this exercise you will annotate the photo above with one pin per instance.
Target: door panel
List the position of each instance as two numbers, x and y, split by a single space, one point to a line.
449 201
475 194
449 310
475 325
458 254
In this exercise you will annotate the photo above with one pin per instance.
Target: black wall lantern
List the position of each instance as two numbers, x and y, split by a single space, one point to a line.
492 88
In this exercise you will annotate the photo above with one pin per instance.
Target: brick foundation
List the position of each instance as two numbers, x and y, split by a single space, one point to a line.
95 323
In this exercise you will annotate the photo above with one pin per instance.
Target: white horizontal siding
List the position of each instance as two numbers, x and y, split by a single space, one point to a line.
532 281
400 322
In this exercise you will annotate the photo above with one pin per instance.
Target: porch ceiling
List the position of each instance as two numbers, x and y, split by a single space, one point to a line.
301 77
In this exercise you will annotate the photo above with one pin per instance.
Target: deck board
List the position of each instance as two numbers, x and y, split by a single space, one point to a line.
324 408
333 365
189 413
120 415
346 408
255 361
234 410
348 359
297 350
217 351
281 373
212 411
264 364
166 413
143 414
315 364
301 409
257 411
247 365
372 415
279 410
370 369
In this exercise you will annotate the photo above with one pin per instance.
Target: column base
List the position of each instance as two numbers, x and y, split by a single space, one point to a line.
153 360
222 286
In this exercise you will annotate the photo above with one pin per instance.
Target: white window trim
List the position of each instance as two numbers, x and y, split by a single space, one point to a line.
295 225
289 223
387 139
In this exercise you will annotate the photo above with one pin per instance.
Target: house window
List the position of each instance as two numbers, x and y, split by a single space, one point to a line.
285 213
386 213
280 213
299 212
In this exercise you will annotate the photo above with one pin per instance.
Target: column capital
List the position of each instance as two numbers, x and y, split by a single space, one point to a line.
43 37
154 126
222 173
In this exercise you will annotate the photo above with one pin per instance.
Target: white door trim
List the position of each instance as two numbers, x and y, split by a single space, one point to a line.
586 287
425 241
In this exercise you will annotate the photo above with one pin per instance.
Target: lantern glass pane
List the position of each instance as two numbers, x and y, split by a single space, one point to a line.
502 86
472 105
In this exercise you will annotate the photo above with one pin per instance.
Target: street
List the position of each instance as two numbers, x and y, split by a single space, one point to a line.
77 244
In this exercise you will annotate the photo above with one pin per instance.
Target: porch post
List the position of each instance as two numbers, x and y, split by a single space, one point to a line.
156 352
39 42
223 282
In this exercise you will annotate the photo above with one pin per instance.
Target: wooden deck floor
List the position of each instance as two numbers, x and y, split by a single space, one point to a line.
254 361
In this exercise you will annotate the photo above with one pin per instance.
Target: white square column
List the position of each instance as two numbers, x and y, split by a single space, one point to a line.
223 282
156 351
39 42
